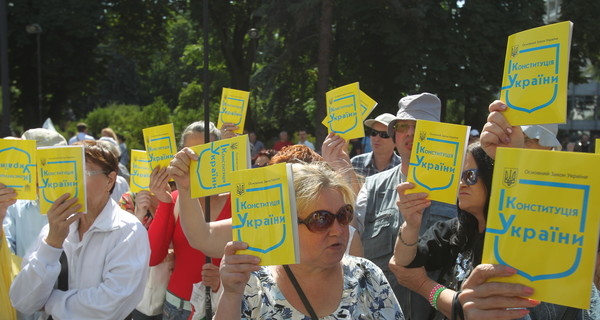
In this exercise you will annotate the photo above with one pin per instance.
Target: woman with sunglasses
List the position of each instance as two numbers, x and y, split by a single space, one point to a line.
453 246
326 283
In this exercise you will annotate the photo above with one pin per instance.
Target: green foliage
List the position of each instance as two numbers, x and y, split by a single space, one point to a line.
128 120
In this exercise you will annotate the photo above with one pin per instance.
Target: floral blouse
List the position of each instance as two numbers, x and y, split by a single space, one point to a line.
367 295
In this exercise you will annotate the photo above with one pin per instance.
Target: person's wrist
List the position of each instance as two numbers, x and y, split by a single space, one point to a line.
53 242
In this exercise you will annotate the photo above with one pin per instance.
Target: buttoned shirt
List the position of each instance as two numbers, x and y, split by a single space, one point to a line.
22 225
364 164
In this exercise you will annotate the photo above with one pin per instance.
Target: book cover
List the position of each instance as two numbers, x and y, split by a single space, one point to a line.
217 160
18 167
234 105
263 212
367 104
535 79
543 221
160 144
344 115
437 158
139 176
61 170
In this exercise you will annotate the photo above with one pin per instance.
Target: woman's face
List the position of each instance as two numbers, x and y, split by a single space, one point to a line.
472 198
323 249
98 185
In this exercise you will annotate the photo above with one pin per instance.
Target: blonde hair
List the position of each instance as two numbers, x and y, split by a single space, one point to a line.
108 132
311 179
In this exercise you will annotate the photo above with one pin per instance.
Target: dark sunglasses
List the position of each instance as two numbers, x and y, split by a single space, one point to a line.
403 127
382 134
321 220
470 176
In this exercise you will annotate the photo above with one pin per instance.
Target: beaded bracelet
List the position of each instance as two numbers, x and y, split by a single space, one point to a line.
434 294
402 240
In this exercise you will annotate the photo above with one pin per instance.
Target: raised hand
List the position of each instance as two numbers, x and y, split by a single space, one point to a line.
62 214
498 132
179 168
159 184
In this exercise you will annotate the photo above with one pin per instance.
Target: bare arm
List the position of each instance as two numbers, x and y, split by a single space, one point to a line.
209 238
334 151
411 207
235 273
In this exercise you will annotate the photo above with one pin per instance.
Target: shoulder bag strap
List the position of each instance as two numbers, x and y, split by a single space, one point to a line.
307 305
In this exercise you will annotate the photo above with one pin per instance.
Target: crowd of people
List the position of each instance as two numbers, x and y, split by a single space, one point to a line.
368 249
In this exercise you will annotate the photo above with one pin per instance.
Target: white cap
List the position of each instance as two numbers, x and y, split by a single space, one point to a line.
545 133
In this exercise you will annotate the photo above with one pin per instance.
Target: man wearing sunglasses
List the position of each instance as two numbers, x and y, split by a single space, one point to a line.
383 156
377 215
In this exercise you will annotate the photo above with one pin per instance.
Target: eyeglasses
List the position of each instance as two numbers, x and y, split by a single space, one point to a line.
382 134
321 220
470 176
94 172
403 127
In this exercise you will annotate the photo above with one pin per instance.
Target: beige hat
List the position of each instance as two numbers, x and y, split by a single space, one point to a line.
424 106
383 118
44 137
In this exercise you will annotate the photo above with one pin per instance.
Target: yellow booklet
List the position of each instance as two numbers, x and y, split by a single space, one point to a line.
211 174
263 212
543 221
139 177
18 167
535 79
344 115
234 105
160 144
437 158
61 170
367 104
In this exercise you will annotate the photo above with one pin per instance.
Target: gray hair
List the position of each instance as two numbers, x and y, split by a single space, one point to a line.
198 127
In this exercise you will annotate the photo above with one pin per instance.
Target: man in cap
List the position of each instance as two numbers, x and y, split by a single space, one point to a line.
377 215
23 221
82 134
383 156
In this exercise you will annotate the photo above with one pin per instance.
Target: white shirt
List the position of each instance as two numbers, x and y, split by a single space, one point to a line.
308 144
107 270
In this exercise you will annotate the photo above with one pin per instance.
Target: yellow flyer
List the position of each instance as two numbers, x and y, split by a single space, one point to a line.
211 174
535 79
344 112
234 105
437 158
18 167
367 104
139 177
160 144
61 170
543 221
263 212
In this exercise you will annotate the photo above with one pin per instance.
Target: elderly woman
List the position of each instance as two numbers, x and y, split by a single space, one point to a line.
103 253
326 283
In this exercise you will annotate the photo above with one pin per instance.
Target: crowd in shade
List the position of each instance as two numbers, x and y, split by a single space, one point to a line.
368 247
